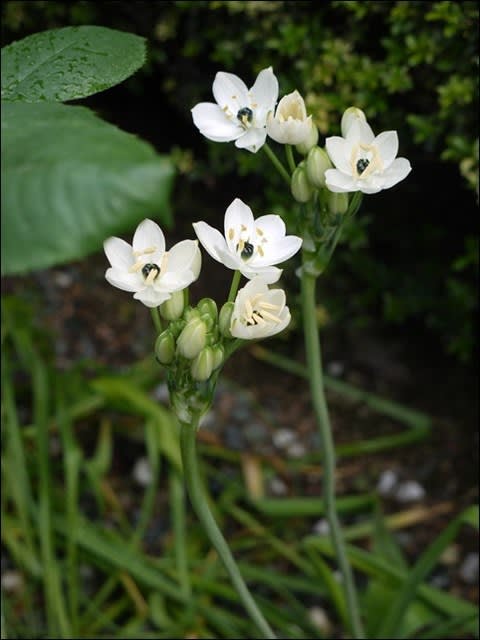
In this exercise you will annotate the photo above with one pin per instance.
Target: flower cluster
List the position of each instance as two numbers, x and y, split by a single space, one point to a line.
196 338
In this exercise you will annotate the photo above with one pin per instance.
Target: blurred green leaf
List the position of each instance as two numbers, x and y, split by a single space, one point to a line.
70 180
70 63
123 395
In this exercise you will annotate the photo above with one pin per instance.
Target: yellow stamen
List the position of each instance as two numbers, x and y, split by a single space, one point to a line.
231 234
136 267
151 276
270 316
268 305
147 250
258 319
260 250
259 231
248 307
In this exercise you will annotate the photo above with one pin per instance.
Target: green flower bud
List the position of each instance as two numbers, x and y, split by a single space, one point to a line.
225 319
165 347
337 203
300 187
317 163
192 338
172 308
207 305
208 320
218 355
202 366
312 139
190 314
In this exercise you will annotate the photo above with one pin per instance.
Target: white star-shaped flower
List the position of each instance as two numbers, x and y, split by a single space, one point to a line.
364 162
146 269
240 113
249 246
259 312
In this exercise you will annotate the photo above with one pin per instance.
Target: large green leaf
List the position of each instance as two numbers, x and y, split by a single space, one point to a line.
69 181
70 63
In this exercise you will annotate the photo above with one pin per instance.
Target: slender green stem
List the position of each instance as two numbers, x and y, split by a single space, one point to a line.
277 164
290 158
157 320
234 286
199 501
177 502
314 363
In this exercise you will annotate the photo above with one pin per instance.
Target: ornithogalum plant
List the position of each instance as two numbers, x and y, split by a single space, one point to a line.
194 342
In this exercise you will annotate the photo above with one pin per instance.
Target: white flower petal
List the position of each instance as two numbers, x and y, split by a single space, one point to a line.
387 145
148 235
398 170
264 94
339 182
238 214
230 91
121 279
211 239
150 297
252 140
278 251
272 226
214 124
119 253
182 256
230 260
268 273
360 131
337 149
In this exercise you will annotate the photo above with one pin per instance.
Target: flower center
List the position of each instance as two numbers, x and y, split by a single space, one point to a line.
362 164
247 251
365 160
150 271
245 115
259 311
244 247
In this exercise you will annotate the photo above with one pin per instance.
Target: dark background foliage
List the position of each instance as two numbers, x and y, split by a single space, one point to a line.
409 264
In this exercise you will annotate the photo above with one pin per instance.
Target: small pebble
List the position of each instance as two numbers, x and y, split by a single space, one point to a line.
386 482
335 368
321 528
12 581
161 393
296 450
142 472
409 491
318 617
283 438
469 568
277 486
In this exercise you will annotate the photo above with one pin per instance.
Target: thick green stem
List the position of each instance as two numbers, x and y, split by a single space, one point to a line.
314 364
199 501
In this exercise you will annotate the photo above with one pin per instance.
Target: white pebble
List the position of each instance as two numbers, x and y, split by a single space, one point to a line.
142 472
386 482
410 491
321 528
469 568
283 438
